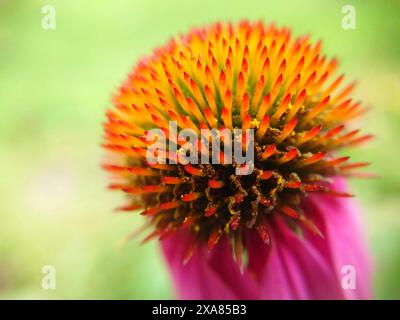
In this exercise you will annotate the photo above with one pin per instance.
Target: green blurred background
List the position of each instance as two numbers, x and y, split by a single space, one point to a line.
55 86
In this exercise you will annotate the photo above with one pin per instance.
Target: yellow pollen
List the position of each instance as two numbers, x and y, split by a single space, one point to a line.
255 123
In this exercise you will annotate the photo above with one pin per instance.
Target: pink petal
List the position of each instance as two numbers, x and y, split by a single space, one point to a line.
290 268
208 275
338 219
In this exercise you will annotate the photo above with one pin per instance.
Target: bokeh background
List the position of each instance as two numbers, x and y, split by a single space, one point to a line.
55 86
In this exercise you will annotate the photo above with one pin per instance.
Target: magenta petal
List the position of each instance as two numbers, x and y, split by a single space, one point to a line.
338 219
290 268
208 275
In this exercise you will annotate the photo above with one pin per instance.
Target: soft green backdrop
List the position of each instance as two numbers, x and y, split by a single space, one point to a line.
55 86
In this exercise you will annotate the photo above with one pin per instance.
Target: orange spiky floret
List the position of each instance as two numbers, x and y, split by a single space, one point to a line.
245 75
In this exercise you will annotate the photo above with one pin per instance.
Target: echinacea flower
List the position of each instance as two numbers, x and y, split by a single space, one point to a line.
287 228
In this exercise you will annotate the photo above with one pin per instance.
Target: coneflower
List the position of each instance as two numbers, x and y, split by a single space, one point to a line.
286 229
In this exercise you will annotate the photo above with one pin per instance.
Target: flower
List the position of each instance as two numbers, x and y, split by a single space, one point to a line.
286 218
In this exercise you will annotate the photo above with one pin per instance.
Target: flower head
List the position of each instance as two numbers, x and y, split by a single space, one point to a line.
243 76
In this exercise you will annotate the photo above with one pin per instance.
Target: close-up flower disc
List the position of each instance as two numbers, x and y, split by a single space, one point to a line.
233 76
